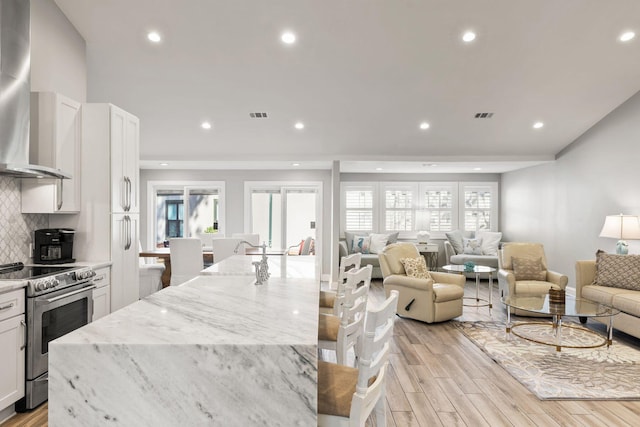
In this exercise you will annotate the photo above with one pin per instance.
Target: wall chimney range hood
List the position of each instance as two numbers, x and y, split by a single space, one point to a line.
15 88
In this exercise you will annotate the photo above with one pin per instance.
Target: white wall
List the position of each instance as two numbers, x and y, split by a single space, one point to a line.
234 196
58 53
563 204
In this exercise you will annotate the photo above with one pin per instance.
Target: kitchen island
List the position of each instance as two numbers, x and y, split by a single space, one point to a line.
217 350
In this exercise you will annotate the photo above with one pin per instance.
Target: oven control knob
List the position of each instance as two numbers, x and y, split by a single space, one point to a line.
54 283
40 286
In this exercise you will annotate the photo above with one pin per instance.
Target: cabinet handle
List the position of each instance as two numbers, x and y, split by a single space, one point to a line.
6 307
24 336
60 191
123 193
127 227
127 196
98 279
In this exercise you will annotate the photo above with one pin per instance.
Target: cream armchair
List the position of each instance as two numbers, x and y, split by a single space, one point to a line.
507 283
428 300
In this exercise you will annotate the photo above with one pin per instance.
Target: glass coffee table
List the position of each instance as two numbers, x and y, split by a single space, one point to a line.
572 307
478 269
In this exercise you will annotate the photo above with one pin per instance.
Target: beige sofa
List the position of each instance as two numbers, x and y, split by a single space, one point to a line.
625 300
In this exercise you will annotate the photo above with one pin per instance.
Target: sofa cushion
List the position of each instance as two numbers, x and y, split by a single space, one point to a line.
490 241
378 242
628 302
455 238
528 269
416 267
370 259
601 294
618 271
472 246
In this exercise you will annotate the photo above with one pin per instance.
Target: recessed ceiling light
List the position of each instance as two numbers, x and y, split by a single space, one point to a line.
299 125
379 169
468 36
625 37
431 165
205 125
538 125
295 164
154 37
424 125
164 164
477 169
288 37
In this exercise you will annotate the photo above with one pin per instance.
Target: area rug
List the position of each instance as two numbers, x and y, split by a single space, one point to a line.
599 373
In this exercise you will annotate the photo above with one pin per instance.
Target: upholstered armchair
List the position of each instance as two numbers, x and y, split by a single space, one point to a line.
433 299
523 271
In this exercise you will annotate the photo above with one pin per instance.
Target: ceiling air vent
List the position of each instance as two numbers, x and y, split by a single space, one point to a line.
483 115
258 115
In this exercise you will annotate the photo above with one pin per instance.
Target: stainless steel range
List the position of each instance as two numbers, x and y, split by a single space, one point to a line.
59 300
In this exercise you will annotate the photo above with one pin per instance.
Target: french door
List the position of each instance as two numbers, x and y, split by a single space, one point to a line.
284 216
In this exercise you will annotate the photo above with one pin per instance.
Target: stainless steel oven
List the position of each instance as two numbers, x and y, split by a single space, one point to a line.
59 300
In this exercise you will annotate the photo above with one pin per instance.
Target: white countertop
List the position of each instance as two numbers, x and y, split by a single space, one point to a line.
217 350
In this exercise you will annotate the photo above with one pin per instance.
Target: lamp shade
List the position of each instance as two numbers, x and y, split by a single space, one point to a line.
624 227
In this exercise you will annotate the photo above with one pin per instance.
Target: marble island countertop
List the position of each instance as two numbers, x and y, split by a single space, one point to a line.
217 350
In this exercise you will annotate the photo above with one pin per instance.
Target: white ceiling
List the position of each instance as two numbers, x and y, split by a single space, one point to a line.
362 75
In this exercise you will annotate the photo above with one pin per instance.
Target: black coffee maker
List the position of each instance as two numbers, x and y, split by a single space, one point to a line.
53 246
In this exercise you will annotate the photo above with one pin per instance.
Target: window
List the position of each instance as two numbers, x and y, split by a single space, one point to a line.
174 218
408 207
183 209
439 207
479 207
398 207
358 203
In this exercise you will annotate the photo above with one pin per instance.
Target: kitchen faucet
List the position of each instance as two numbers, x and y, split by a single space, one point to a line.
262 267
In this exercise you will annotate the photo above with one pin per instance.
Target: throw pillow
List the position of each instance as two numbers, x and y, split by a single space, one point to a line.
528 269
455 238
618 271
490 241
360 244
472 246
393 238
416 267
378 242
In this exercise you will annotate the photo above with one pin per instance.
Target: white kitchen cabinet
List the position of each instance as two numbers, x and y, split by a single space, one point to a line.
102 293
13 336
125 258
55 141
124 160
110 153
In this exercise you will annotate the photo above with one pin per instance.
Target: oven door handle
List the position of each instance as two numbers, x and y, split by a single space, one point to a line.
59 297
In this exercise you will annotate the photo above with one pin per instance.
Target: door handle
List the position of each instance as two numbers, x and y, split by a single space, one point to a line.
24 336
59 191
123 193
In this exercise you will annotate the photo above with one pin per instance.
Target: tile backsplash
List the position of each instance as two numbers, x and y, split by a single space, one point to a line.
16 228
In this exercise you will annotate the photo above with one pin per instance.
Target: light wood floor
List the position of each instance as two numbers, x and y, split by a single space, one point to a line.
439 378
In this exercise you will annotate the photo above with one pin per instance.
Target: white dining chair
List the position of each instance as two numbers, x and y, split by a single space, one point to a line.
224 248
186 259
347 396
342 332
328 298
